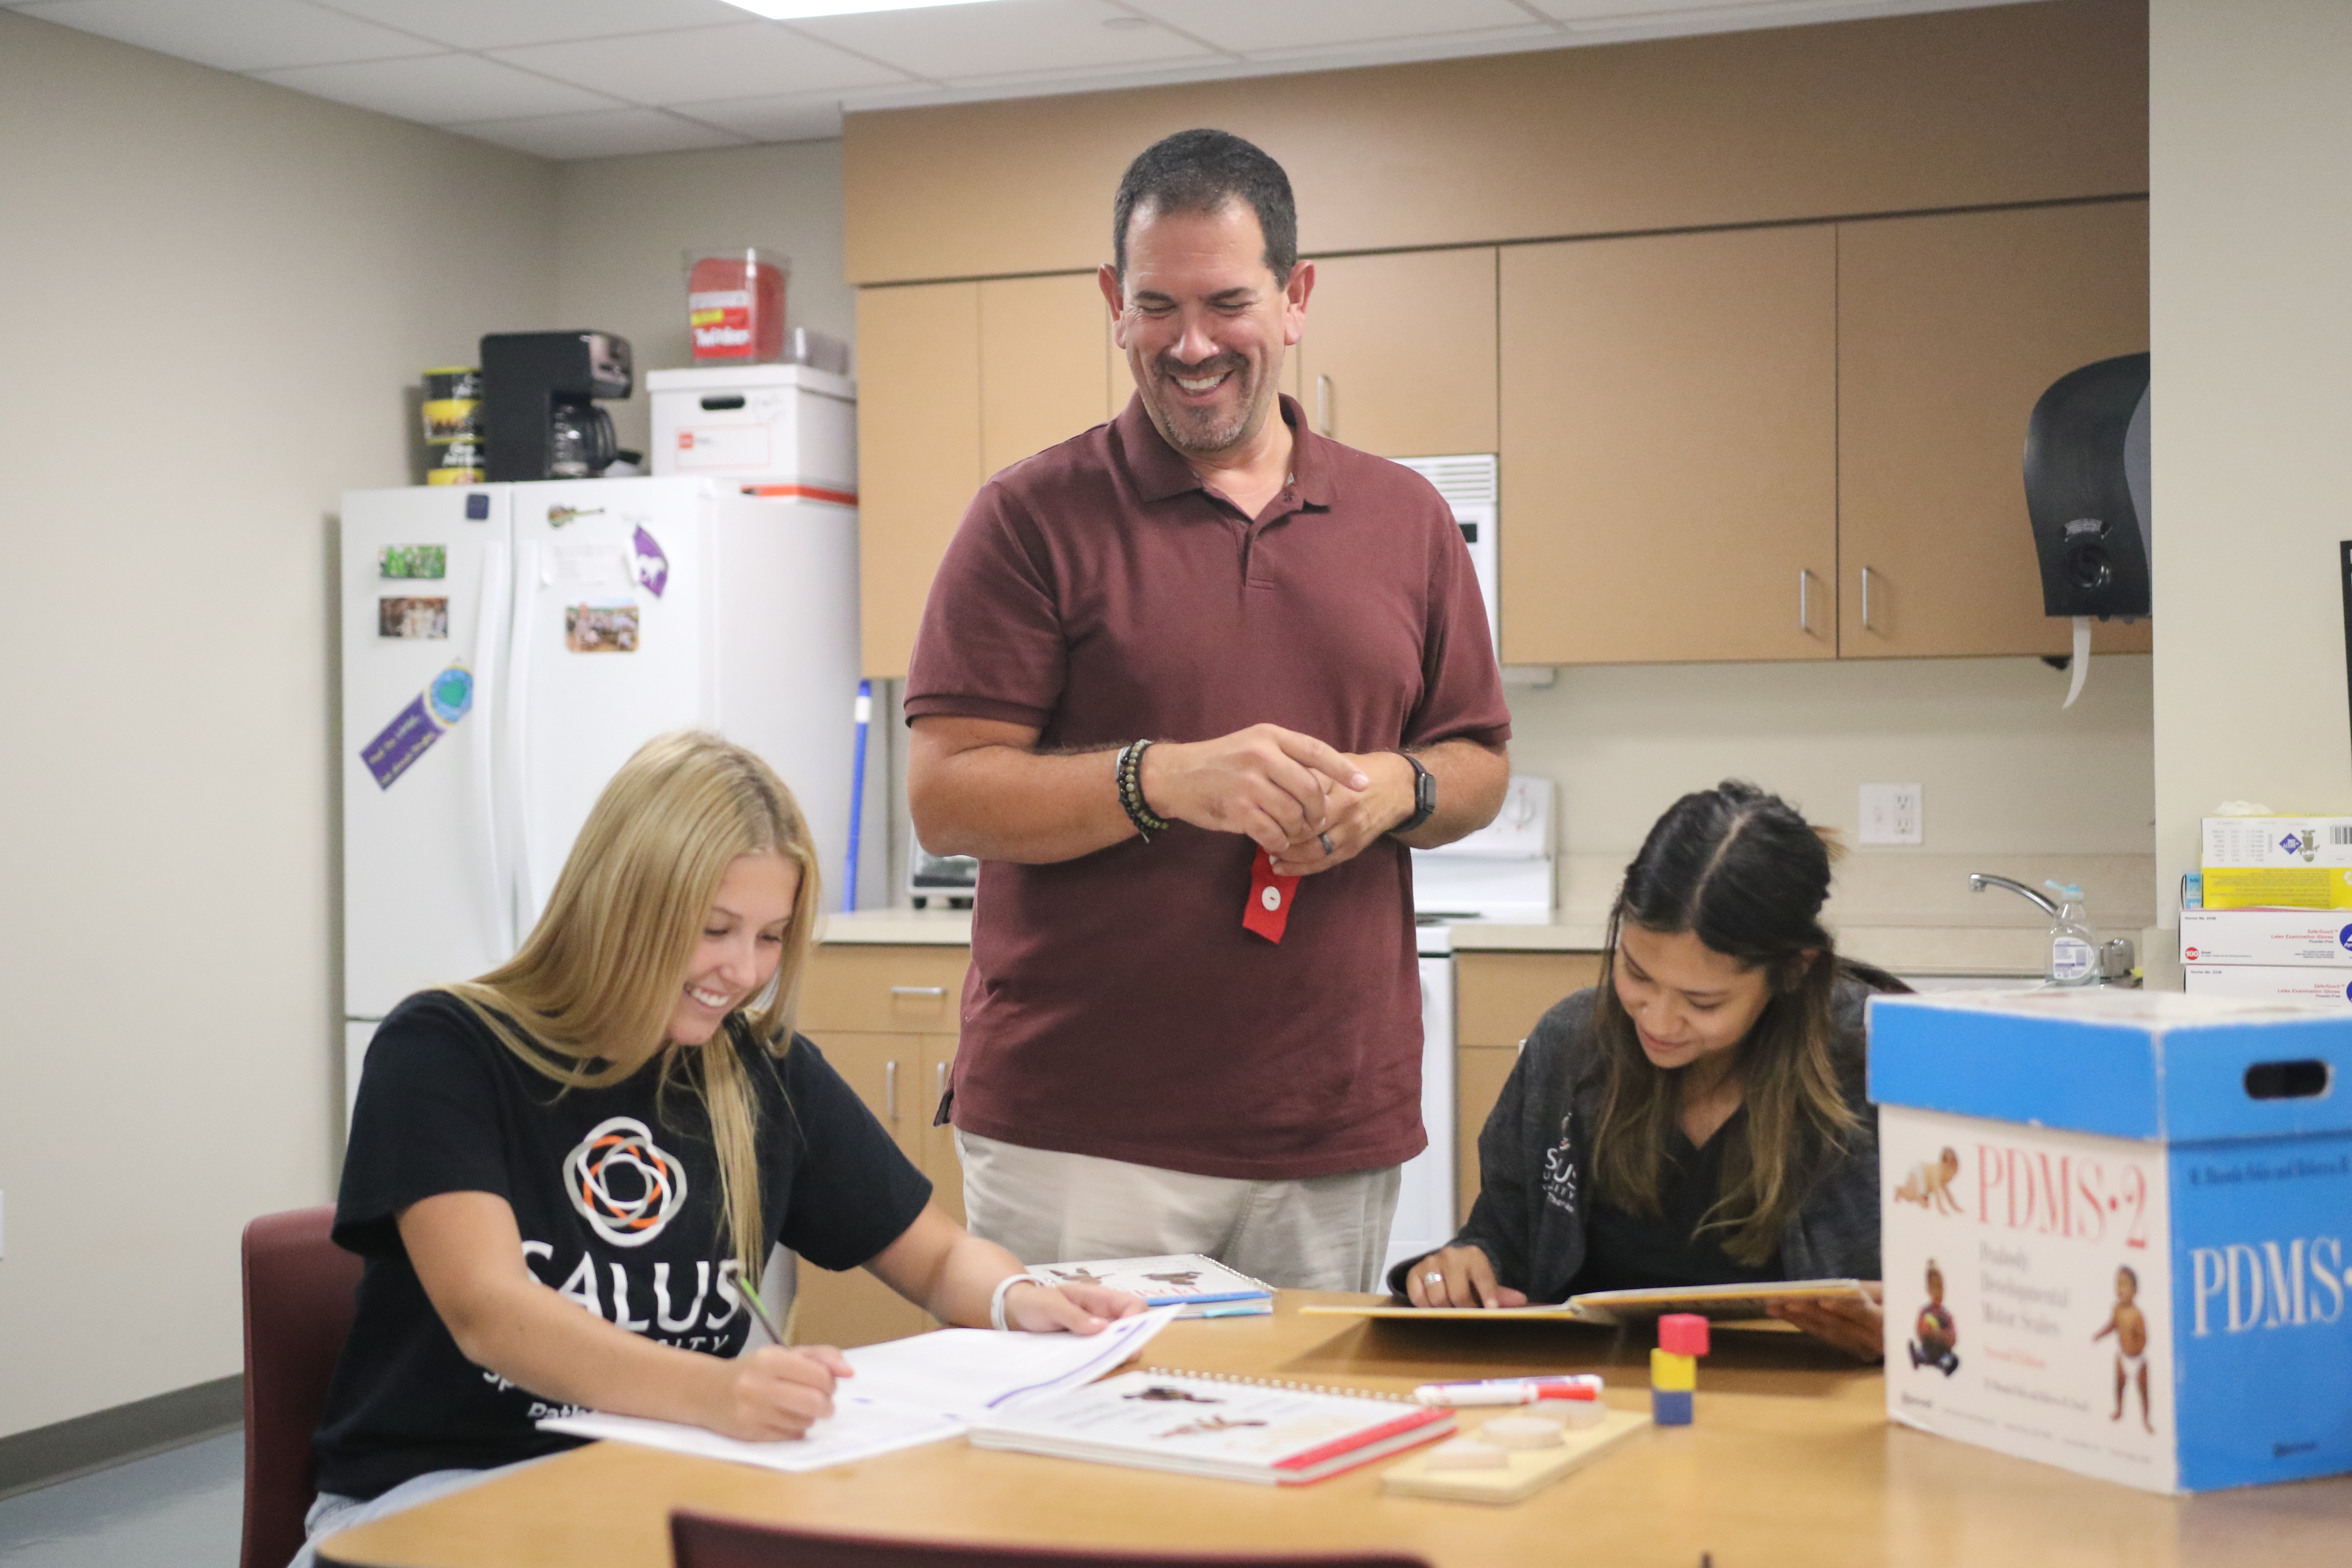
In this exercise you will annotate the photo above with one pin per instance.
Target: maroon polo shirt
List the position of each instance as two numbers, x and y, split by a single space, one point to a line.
1115 1005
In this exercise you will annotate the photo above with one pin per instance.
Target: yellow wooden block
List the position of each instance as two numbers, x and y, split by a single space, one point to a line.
1675 1373
1528 1472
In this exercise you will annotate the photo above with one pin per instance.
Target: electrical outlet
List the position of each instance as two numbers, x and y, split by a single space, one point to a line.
1893 813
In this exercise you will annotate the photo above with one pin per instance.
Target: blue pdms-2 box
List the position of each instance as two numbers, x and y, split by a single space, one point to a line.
2115 1229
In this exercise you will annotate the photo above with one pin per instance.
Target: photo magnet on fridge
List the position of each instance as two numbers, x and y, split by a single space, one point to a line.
406 617
413 561
600 628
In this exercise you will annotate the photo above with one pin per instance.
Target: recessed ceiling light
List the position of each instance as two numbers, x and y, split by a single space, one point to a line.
800 10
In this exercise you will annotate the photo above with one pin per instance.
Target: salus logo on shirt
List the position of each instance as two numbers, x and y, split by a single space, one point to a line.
1559 1172
623 1183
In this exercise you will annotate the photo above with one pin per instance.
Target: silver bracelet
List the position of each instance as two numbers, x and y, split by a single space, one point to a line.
996 1302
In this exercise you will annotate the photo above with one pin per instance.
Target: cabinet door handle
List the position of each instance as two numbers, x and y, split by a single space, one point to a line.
919 991
1323 404
1805 600
1867 623
891 1091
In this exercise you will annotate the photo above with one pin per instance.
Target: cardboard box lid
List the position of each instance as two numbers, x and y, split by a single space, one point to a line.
2125 1064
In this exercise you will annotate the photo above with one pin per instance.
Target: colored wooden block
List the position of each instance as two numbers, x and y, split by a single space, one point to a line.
1684 1333
1675 1373
1670 1407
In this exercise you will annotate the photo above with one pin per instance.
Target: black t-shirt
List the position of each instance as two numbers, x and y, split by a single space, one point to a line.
1626 1252
616 1193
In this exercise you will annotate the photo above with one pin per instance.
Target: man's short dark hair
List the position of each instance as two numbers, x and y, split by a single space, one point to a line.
1199 172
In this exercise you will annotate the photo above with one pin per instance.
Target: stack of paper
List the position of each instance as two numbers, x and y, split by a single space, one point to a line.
1203 1287
906 1393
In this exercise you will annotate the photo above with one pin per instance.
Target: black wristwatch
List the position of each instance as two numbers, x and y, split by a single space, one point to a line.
1425 794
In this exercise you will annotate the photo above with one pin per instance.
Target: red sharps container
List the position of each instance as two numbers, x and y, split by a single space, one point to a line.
735 304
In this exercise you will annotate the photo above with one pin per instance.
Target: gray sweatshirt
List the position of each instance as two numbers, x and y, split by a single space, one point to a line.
1535 1169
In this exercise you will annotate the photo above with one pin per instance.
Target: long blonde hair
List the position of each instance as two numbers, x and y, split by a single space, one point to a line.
588 1000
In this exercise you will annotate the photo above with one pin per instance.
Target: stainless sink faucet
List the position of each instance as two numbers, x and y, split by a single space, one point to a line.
2117 957
1980 880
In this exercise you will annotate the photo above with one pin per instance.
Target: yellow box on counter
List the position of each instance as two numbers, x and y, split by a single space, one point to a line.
2278 887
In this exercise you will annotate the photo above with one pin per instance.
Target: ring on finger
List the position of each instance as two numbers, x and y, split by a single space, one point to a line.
1433 1277
1326 843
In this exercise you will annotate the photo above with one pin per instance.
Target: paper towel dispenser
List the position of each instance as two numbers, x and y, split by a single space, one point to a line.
2086 490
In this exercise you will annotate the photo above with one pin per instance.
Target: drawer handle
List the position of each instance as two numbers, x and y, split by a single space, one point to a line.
919 991
891 1091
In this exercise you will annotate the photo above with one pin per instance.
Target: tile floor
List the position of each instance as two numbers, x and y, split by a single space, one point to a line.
180 1508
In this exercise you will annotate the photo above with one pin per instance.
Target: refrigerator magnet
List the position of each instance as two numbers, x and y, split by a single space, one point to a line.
600 628
451 695
413 561
412 617
558 516
401 743
653 566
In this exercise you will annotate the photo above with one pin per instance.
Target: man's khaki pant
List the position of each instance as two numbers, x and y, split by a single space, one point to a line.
1321 1233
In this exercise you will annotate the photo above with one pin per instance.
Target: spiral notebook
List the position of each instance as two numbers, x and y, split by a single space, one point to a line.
1197 1424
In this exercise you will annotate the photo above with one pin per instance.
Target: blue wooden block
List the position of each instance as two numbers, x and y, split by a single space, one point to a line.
1670 1407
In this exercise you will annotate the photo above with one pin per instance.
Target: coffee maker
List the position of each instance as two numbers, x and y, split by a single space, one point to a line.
540 418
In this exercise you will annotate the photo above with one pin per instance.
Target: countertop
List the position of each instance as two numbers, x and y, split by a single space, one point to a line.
1922 950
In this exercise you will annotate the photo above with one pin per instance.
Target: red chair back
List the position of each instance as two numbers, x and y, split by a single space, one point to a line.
710 1541
298 1289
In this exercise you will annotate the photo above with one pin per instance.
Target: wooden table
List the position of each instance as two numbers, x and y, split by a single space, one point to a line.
1791 1461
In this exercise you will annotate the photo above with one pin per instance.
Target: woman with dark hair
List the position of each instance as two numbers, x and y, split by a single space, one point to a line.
1699 1117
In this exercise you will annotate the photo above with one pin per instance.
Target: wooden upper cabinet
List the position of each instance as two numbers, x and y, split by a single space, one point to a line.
1949 329
1668 449
1399 355
1043 374
918 445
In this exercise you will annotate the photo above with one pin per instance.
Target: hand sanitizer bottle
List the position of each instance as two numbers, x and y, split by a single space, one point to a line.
2073 950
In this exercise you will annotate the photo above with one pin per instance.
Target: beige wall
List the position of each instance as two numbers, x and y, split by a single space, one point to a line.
2012 782
216 293
2250 224
625 222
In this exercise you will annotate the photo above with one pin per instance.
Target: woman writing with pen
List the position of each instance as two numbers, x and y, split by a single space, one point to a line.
565 1174
1699 1117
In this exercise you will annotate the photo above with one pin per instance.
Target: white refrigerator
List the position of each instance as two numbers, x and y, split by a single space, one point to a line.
507 646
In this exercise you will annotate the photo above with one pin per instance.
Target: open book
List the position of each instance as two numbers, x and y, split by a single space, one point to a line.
1238 1429
923 1389
1609 1306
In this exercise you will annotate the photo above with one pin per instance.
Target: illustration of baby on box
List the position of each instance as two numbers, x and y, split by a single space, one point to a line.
1934 1332
2129 1325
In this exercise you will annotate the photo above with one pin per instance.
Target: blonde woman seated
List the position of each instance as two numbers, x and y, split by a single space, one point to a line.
559 1172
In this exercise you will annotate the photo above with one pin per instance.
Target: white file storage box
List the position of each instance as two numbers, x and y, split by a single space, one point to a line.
2113 1226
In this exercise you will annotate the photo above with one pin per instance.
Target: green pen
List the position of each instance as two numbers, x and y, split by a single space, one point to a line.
759 1310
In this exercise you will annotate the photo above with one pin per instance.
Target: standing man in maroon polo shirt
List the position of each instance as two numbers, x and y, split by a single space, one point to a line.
1166 666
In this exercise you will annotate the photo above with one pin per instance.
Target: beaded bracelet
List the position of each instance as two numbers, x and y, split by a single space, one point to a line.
1130 775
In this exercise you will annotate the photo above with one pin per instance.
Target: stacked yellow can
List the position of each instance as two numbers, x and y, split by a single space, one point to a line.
453 425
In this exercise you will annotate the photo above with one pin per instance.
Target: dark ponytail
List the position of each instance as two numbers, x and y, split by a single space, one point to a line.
1746 874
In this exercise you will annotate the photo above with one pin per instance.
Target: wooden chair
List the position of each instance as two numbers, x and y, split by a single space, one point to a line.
298 1289
711 1541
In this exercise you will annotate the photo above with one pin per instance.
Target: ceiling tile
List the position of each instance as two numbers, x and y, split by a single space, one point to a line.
498 24
606 133
1008 37
1246 27
440 90
754 59
233 35
1721 16
785 117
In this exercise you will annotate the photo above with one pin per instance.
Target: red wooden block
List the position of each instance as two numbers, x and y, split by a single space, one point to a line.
1683 1334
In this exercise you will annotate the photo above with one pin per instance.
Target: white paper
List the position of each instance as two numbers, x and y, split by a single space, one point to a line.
923 1389
853 1431
968 1371
2082 659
